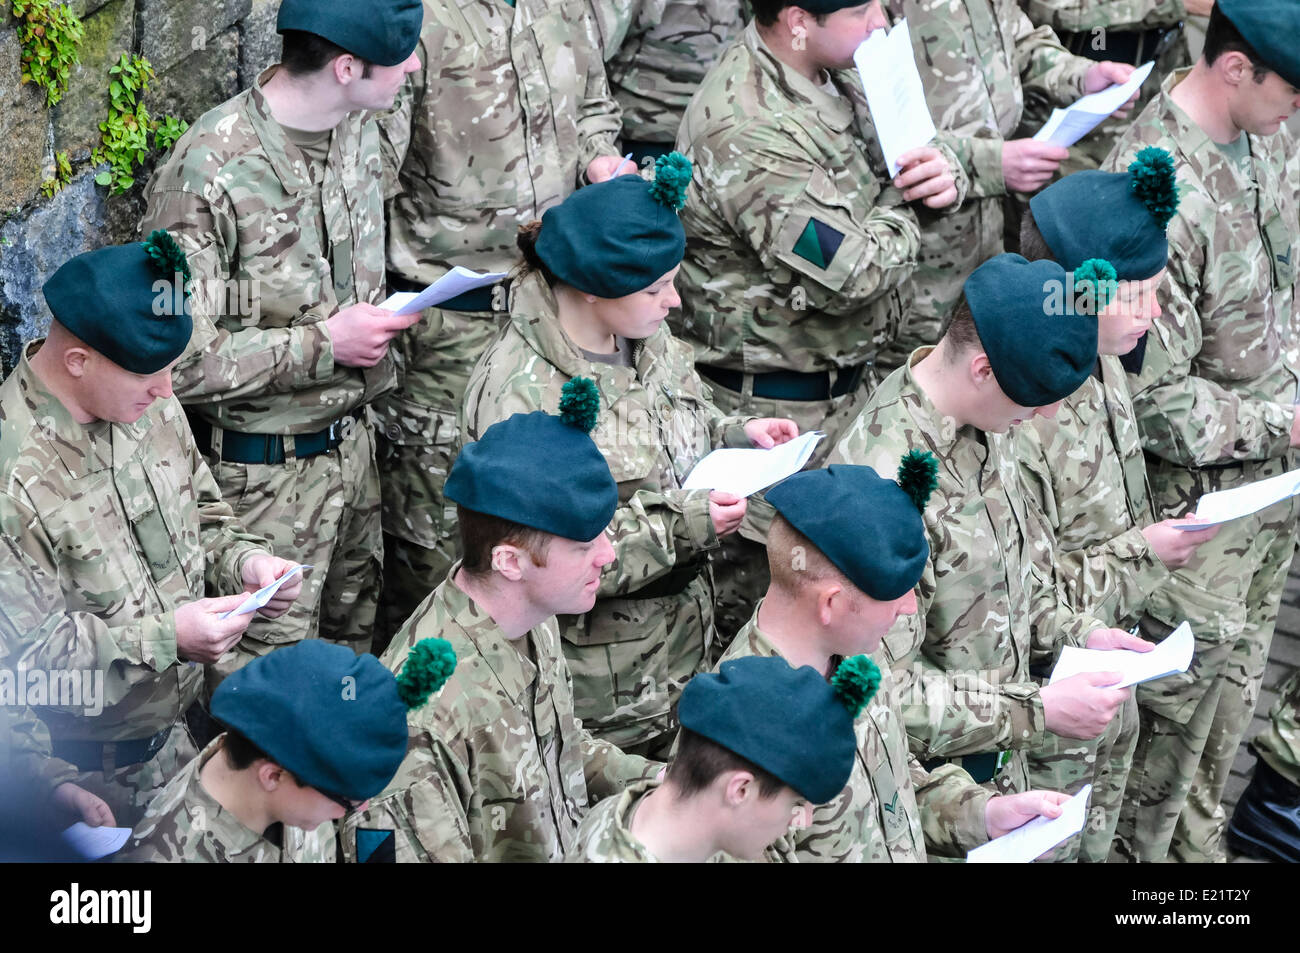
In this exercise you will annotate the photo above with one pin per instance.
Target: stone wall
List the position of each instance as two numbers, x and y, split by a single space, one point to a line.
203 51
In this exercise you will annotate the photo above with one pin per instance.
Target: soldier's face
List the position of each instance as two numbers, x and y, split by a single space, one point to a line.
870 619
379 89
111 392
1261 108
568 582
832 43
1124 321
995 412
760 821
640 314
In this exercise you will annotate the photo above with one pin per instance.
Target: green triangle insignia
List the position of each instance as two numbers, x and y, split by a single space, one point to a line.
809 246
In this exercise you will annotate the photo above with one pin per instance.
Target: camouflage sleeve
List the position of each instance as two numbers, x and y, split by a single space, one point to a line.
1112 578
1077 16
980 160
394 126
608 769
219 363
38 629
952 809
29 752
614 20
1042 62
1189 420
652 533
599 118
1053 621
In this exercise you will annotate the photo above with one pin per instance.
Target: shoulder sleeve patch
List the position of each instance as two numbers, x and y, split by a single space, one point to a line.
376 847
818 243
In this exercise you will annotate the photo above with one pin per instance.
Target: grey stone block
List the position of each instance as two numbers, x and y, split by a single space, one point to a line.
110 31
198 82
24 129
171 30
259 44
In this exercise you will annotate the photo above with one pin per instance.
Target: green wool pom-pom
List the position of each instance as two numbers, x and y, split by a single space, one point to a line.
580 404
855 683
918 475
1152 179
672 176
167 257
1102 276
428 666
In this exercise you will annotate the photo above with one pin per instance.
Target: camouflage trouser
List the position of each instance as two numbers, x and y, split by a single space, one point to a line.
1066 764
1279 743
1193 723
323 511
127 791
740 570
953 244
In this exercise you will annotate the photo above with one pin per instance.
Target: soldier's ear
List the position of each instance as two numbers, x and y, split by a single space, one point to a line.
979 369
830 597
738 787
347 69
75 360
507 560
1234 66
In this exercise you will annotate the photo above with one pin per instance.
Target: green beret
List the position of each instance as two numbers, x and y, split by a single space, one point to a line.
541 471
123 301
1118 216
790 722
384 32
1272 28
869 528
618 237
335 719
822 7
1040 347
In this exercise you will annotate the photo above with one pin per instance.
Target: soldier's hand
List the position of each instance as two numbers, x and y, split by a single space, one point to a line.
1117 639
201 636
726 510
89 807
260 571
361 332
1028 165
768 432
1081 706
1005 812
1176 547
603 167
1109 73
924 174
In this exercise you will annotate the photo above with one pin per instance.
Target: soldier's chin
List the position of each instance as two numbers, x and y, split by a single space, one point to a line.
581 605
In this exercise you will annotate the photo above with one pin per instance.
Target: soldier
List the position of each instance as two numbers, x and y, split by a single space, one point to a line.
798 247
1014 349
846 549
1084 466
978 60
113 527
39 777
312 732
500 769
1266 822
508 114
1126 31
656 54
592 303
275 196
1215 401
759 741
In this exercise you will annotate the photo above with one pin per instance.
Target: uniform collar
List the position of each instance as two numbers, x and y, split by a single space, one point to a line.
206 813
290 165
512 671
1197 151
83 448
835 112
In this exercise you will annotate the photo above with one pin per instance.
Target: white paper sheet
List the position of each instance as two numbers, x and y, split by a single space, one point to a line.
1172 655
744 472
1243 500
453 283
260 598
1065 127
93 843
1037 837
895 95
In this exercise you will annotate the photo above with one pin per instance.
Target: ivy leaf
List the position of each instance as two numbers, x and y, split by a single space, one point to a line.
104 178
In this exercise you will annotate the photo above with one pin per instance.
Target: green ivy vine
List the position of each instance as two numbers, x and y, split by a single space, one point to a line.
50 35
124 144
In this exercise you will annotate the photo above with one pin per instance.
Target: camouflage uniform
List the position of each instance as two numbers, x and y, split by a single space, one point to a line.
500 124
25 753
498 768
247 206
105 529
1085 469
1279 743
185 824
977 59
1215 402
1128 31
656 54
652 625
797 254
892 809
985 611
605 834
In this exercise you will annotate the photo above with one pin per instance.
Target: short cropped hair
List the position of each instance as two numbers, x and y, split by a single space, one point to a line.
794 560
481 532
961 333
1033 246
1222 37
700 761
766 11
304 53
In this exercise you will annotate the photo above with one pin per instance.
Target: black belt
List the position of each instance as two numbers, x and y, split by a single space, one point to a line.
789 385
981 767
480 299
89 755
1123 46
674 583
266 448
